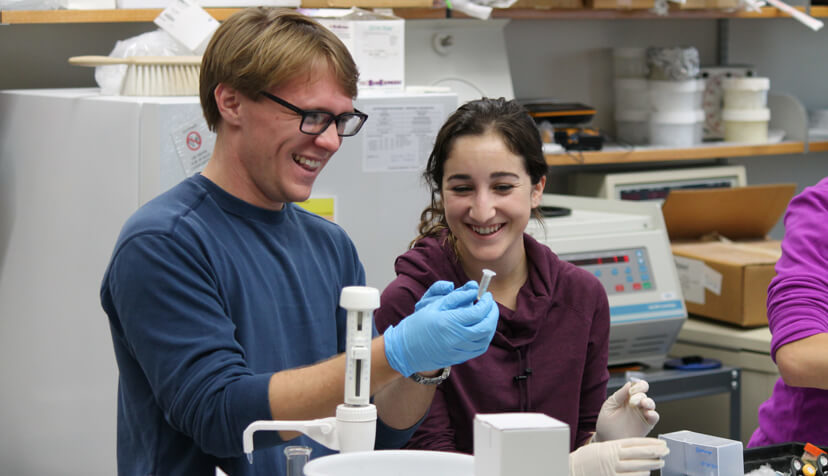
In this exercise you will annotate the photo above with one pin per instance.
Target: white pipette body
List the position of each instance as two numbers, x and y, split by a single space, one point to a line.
354 427
484 282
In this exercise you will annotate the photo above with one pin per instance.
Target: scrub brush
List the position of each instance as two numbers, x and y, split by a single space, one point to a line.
152 75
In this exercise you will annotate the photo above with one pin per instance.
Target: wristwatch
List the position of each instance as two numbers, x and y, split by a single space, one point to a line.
431 380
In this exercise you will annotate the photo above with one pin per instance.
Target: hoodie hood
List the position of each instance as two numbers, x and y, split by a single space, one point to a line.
433 258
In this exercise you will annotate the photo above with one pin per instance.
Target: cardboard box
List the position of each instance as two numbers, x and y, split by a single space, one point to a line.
366 3
127 4
705 5
620 4
723 257
547 4
525 444
376 41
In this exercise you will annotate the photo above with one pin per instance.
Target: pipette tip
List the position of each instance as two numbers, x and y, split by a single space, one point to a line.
250 458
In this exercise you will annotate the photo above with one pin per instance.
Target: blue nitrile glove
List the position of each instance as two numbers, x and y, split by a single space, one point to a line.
436 291
447 328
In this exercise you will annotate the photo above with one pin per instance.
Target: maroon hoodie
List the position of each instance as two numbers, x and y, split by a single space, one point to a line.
549 354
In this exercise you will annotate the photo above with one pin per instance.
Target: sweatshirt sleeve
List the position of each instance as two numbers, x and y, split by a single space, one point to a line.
596 375
397 302
171 321
436 433
798 295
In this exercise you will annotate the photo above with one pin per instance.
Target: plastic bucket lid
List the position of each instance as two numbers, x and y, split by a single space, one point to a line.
632 115
388 462
687 86
677 117
637 84
748 84
746 115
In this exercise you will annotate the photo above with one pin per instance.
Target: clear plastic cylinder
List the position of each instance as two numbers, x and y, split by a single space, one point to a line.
297 457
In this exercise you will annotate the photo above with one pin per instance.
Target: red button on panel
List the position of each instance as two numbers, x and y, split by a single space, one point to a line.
619 287
636 285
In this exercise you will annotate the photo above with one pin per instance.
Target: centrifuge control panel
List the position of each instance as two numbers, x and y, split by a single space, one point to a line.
620 271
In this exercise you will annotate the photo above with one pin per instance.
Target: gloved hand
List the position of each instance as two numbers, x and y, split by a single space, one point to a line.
624 457
446 328
628 413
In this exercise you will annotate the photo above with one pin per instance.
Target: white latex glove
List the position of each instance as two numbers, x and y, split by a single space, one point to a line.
628 413
624 457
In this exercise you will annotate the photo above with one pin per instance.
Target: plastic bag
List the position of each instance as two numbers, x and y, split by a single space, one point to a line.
153 43
29 4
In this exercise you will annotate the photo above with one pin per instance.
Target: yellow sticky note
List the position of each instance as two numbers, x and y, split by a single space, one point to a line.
323 207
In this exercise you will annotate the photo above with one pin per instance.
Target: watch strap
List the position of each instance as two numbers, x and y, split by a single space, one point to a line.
422 379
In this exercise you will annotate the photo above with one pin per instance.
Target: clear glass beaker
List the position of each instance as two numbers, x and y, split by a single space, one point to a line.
297 457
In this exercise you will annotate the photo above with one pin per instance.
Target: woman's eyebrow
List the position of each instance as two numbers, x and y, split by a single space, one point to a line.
503 174
494 175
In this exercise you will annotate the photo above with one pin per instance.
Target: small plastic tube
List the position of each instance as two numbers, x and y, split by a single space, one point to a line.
296 457
484 282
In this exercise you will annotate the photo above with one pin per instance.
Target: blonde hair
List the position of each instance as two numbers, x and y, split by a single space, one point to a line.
260 48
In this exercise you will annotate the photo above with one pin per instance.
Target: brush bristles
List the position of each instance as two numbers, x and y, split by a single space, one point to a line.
161 80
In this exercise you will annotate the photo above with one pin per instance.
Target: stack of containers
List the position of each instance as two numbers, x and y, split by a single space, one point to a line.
745 114
632 101
676 116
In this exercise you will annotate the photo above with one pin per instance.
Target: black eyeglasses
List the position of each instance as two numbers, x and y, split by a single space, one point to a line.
316 122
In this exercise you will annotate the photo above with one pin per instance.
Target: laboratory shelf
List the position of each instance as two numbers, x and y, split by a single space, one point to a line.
412 13
618 154
818 146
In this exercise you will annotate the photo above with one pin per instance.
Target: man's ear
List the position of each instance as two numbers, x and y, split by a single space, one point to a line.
228 101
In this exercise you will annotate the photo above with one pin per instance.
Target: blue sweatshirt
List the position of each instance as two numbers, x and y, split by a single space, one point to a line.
207 296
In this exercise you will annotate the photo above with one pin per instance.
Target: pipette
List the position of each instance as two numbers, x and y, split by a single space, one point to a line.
484 282
354 427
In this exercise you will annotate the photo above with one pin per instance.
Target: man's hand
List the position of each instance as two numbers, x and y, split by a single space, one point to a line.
447 327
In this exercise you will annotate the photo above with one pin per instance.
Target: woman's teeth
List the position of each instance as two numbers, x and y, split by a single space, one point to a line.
309 163
486 230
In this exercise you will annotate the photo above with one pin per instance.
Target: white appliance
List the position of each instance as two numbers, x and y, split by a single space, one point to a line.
376 176
625 245
655 184
73 166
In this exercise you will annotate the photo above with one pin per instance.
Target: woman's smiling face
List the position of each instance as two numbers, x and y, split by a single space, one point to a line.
488 198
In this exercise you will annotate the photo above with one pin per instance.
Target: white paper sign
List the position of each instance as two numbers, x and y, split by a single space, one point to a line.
188 23
194 143
713 280
691 277
399 137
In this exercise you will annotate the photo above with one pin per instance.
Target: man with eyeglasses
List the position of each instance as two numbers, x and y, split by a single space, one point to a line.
222 295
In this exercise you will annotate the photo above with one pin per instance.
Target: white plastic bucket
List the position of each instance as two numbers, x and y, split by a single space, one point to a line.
631 93
746 125
745 93
629 62
676 128
632 126
392 462
676 95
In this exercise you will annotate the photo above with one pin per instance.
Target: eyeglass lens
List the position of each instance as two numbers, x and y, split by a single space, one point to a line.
317 122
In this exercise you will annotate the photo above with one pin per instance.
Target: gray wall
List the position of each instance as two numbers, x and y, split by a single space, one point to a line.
563 59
